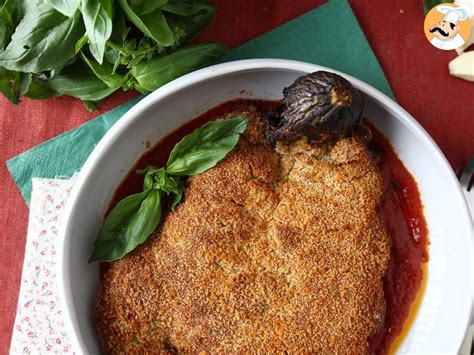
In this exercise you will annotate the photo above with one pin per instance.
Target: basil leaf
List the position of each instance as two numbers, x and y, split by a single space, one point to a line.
128 225
80 43
10 85
30 87
152 74
429 4
79 81
105 73
192 16
152 24
187 7
138 87
44 39
136 60
165 182
112 56
91 105
206 146
144 7
148 181
14 84
177 197
37 91
26 79
159 179
119 28
66 7
6 23
97 16
149 178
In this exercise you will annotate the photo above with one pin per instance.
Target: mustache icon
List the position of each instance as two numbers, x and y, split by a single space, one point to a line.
443 33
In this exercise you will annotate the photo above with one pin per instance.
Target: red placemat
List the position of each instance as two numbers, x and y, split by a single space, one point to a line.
417 72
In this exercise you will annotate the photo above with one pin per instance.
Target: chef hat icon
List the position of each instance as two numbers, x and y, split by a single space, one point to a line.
452 14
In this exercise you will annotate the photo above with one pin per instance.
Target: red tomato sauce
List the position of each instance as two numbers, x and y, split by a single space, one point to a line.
400 209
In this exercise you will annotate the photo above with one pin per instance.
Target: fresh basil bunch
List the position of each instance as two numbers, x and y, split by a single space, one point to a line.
90 48
134 218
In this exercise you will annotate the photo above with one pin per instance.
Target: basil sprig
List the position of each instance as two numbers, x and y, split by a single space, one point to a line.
89 49
136 217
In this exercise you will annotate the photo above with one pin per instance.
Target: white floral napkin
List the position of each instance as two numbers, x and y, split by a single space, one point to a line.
39 327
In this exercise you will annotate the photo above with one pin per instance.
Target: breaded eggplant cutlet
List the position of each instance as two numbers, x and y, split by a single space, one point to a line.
277 248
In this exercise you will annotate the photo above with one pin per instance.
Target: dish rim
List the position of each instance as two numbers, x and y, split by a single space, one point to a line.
188 80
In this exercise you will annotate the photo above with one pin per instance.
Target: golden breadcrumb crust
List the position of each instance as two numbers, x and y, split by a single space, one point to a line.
271 251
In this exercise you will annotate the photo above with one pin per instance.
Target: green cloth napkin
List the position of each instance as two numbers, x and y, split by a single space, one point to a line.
328 35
